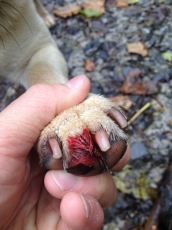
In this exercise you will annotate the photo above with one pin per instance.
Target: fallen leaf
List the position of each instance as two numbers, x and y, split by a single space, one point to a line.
167 56
143 189
134 85
89 65
121 3
122 101
137 48
151 86
134 182
133 1
67 11
90 13
159 14
95 5
90 8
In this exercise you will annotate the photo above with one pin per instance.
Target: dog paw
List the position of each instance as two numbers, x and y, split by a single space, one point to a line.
49 20
87 139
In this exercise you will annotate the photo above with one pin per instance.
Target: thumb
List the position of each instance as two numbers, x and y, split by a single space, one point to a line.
22 121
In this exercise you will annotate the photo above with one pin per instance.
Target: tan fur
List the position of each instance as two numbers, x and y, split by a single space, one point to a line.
84 116
48 18
21 62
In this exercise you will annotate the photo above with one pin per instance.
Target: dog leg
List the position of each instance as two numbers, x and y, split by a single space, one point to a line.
47 66
47 17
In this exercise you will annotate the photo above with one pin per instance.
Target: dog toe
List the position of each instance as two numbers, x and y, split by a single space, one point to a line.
85 140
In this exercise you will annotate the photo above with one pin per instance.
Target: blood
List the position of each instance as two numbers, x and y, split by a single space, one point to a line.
82 149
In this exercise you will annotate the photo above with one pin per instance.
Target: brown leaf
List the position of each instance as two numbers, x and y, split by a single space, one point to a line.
134 85
97 5
89 65
137 48
67 11
122 101
121 3
159 14
151 86
131 84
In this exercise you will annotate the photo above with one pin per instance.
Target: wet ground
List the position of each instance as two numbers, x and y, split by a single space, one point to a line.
98 48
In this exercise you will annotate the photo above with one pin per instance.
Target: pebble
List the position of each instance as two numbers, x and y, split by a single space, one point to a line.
76 59
138 150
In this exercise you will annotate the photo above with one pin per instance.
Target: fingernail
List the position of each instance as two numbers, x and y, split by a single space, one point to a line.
88 206
65 181
76 82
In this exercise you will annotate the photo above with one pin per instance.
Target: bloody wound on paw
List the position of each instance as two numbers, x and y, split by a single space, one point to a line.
84 143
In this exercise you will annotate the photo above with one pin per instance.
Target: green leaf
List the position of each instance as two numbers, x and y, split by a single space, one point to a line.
133 1
135 182
90 13
167 56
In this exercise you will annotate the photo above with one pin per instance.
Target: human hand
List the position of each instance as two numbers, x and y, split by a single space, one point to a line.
68 202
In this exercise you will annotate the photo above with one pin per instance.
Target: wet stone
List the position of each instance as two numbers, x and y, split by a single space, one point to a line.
2 91
92 47
102 54
138 150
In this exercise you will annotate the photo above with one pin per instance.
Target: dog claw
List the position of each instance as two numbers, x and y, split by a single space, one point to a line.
90 136
102 140
119 117
55 148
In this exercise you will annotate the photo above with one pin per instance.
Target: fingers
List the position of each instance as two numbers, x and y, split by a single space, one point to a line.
47 211
22 121
80 212
101 187
77 212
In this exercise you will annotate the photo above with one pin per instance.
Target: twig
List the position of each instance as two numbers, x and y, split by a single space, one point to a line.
141 37
139 112
152 221
148 143
159 102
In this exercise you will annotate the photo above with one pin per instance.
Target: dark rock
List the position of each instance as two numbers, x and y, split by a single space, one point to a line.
98 26
3 90
92 47
102 54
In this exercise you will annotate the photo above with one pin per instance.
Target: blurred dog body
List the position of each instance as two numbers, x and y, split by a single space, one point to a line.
28 53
